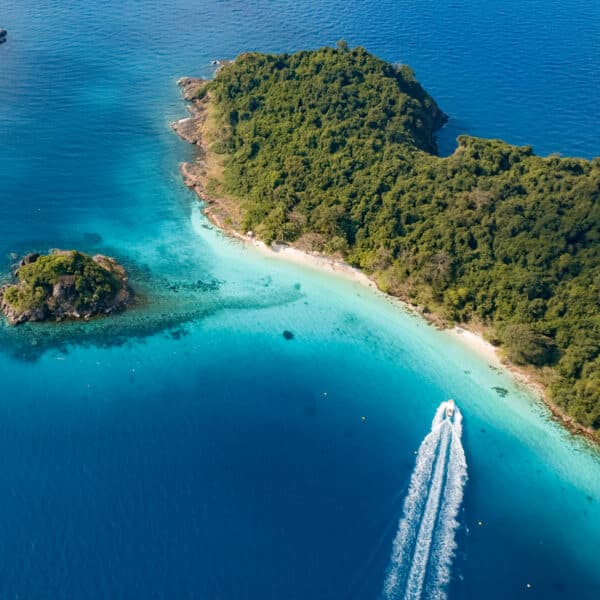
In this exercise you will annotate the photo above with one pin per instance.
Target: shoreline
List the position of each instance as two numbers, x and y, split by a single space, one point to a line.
195 175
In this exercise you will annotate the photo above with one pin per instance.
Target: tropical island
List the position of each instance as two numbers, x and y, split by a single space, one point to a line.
333 151
65 284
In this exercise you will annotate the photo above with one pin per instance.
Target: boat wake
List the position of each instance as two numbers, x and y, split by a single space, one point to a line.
424 545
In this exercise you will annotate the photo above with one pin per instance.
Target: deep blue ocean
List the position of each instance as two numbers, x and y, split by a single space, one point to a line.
186 449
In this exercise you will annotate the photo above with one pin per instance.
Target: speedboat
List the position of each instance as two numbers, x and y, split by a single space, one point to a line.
450 406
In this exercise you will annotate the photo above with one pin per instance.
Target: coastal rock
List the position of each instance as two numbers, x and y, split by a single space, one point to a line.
192 173
190 86
28 259
188 129
222 212
65 284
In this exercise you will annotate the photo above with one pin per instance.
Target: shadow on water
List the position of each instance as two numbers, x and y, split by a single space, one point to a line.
446 137
162 304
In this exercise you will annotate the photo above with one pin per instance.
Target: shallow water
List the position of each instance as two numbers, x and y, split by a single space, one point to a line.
187 449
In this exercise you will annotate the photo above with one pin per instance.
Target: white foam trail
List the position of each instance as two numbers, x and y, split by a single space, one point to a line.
445 545
418 568
413 507
439 415
424 545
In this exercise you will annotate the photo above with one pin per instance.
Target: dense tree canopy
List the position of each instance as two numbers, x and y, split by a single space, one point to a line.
337 147
92 282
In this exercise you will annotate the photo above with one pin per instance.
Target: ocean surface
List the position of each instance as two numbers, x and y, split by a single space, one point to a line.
186 449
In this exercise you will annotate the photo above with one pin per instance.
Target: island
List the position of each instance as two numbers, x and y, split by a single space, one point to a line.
334 151
65 284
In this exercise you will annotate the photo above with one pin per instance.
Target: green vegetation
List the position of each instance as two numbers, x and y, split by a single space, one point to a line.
65 283
335 149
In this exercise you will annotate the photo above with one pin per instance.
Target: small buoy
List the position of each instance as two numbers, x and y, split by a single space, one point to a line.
480 523
363 418
528 585
324 393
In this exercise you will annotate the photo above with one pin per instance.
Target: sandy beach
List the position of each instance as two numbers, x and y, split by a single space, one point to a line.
473 340
224 214
317 261
477 343
218 211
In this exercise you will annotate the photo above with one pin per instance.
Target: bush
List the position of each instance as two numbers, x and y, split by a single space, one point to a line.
336 144
525 346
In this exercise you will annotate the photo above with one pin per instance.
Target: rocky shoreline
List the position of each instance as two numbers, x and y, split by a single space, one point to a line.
196 174
65 284
189 129
219 211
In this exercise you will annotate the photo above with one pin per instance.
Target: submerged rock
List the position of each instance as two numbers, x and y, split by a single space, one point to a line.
65 284
92 238
288 335
3 34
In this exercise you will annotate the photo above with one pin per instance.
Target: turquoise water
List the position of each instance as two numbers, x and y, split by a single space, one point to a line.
186 449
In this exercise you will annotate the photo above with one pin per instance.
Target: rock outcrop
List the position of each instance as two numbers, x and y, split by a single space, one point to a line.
65 284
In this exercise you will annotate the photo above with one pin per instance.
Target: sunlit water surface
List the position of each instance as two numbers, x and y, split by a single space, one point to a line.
188 450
